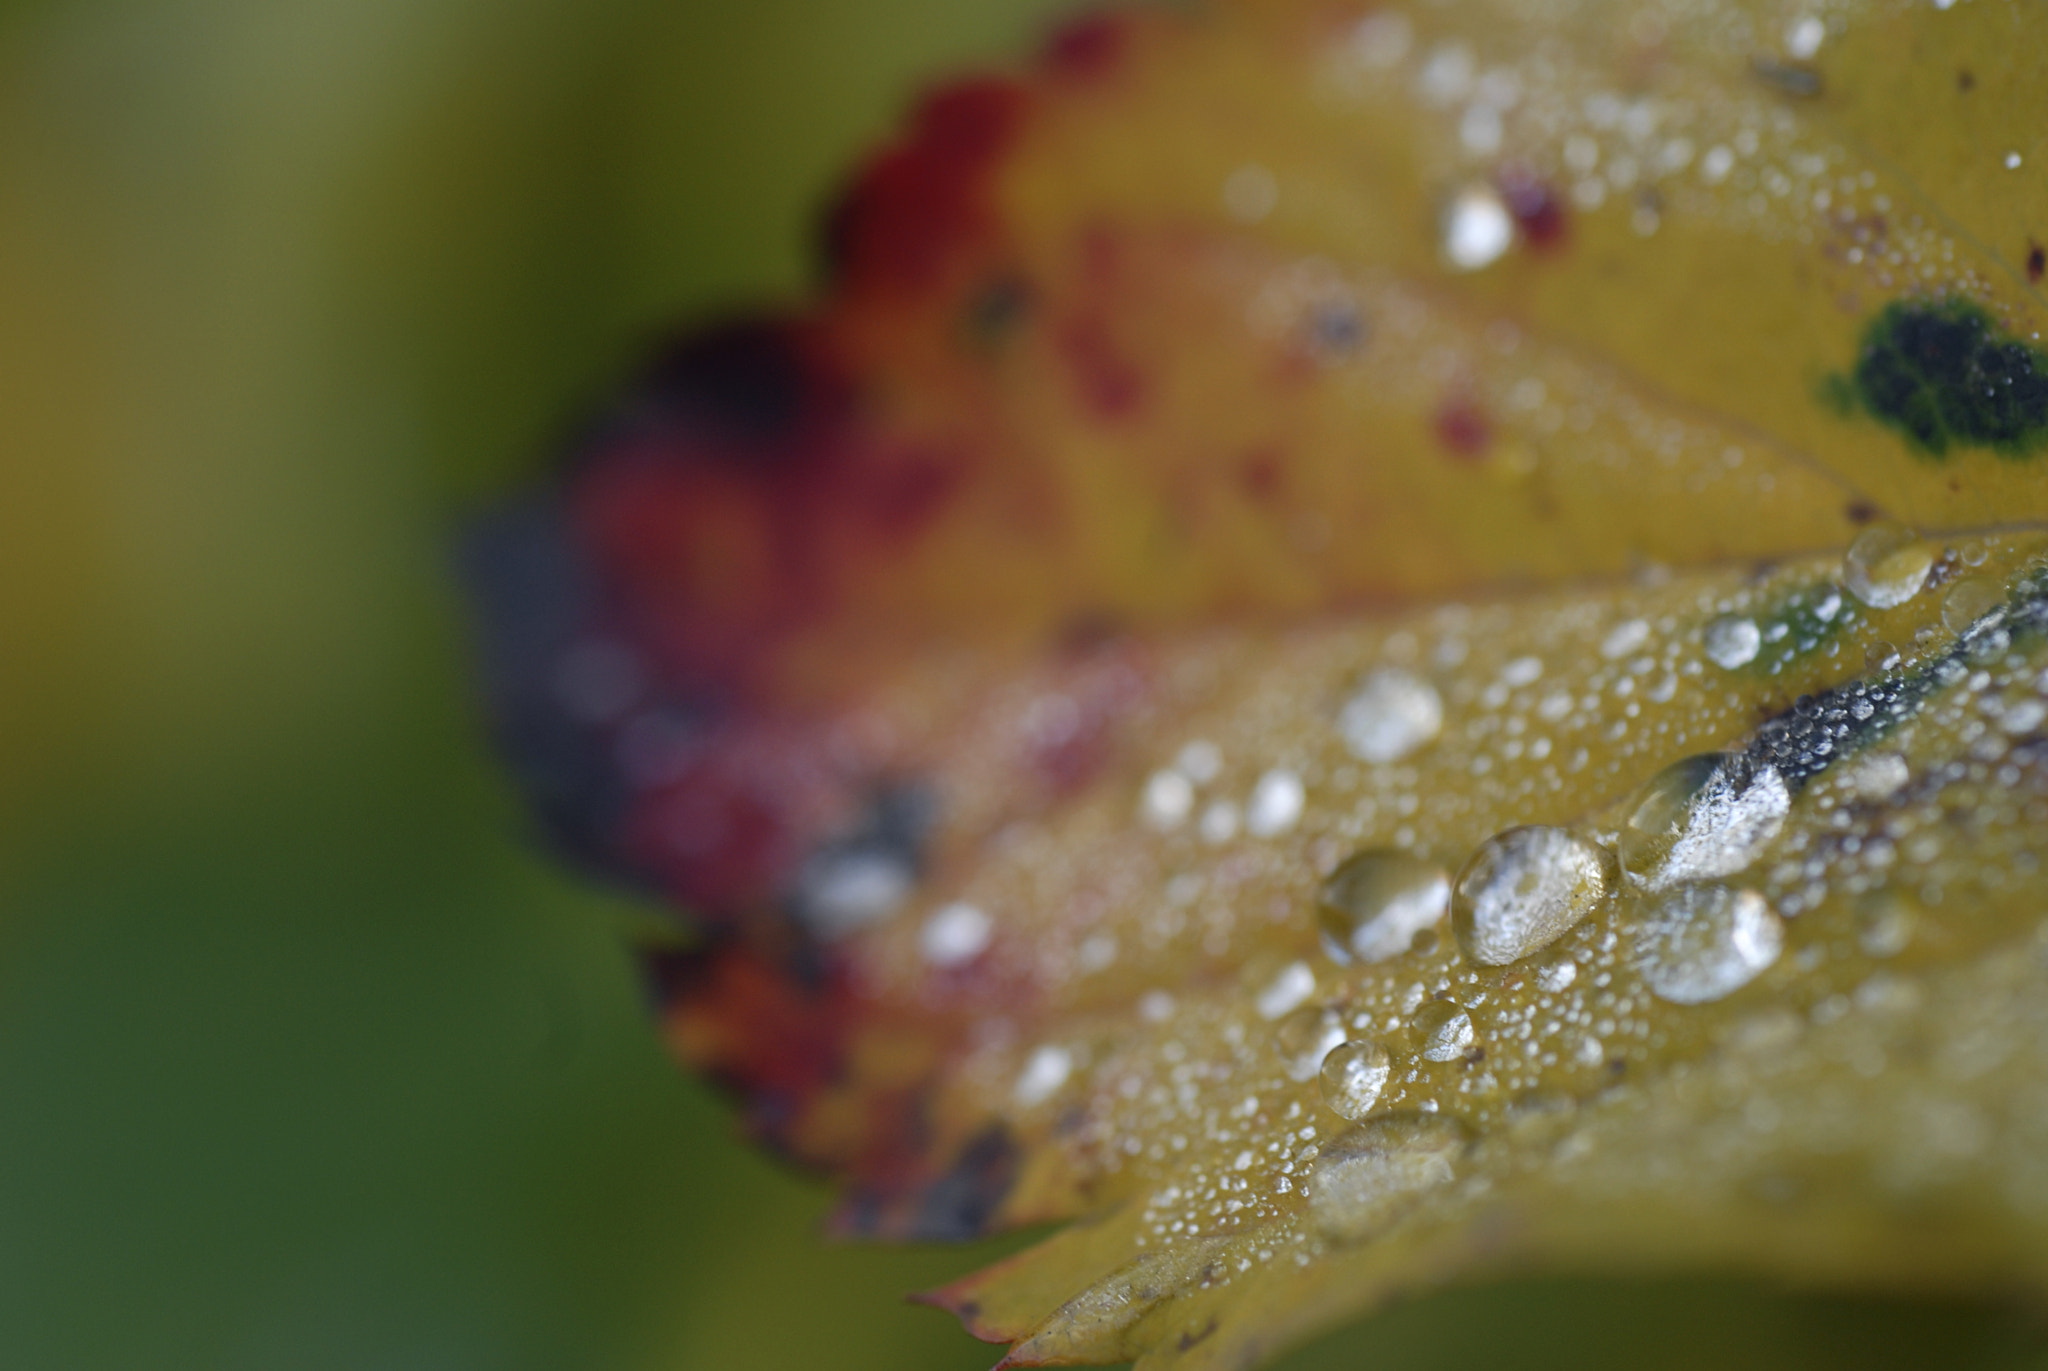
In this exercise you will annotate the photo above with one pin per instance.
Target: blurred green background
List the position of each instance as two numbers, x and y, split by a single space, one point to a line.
306 1059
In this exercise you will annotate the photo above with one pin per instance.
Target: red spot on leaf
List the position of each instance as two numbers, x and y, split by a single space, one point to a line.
1088 48
1463 429
1536 207
924 203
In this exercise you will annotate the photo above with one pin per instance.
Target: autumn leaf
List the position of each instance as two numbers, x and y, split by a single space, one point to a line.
1357 648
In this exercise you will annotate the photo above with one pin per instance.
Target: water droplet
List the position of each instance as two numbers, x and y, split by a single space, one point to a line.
955 933
1704 941
1887 565
1732 641
1557 974
1444 1029
1477 228
1168 798
843 889
1371 1172
1525 888
1881 656
1375 903
1877 776
1706 816
1275 804
1803 37
1201 761
1625 638
1219 822
1353 1075
1884 923
1304 1037
1391 714
1294 983
1045 1071
1968 602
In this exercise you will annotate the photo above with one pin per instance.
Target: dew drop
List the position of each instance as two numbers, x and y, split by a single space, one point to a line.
1375 903
955 933
1968 602
1704 941
1625 638
1303 1037
1557 974
1477 228
1525 888
1391 714
1444 1029
1293 984
1045 1071
1368 1174
1352 1076
1275 805
1168 799
1706 816
1887 565
1884 923
1732 641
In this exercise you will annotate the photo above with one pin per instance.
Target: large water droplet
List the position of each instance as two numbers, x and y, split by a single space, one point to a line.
1304 1037
1703 817
1444 1030
1732 641
1887 565
1378 900
1368 1174
1884 923
1525 888
1391 714
1705 941
1353 1075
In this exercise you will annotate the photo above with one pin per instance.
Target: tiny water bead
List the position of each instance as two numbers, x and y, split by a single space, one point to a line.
1368 1174
1443 1029
1884 923
1391 714
1887 565
955 934
1732 641
1375 903
1704 941
1477 228
1276 803
1304 1038
1352 1076
1525 888
1706 816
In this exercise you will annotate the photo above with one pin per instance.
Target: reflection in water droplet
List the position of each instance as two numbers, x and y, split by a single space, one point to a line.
1968 601
955 933
1368 1174
1703 942
1732 641
1045 1071
1525 888
1304 1037
1444 1029
1886 565
1706 816
1557 974
1391 714
1375 903
1884 923
1353 1075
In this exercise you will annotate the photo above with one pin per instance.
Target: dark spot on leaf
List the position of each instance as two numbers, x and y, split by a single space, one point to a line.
1787 78
1860 512
1943 375
1965 80
1198 1335
995 312
959 1204
1537 209
2037 263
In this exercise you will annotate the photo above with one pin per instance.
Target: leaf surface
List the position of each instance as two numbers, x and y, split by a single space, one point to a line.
1245 440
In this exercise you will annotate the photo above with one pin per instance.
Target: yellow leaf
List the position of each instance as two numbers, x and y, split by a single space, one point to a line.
1313 661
